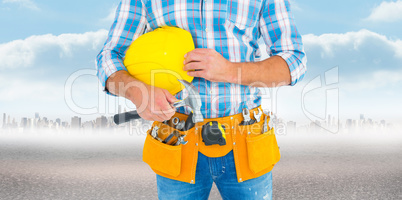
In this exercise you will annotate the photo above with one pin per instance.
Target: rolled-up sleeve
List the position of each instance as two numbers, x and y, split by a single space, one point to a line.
282 38
128 25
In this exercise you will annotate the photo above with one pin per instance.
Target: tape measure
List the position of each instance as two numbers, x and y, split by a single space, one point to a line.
213 133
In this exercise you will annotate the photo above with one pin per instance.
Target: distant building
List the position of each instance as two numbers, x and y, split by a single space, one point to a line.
383 123
101 122
111 122
349 123
37 116
362 117
4 120
42 123
88 125
30 123
64 124
58 121
76 122
14 123
291 126
24 122
329 120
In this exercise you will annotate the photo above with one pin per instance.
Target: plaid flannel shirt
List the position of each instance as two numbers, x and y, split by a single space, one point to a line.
232 28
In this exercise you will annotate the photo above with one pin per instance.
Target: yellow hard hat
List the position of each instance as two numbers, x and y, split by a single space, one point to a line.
156 58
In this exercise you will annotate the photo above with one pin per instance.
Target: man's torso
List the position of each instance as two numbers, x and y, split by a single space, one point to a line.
229 27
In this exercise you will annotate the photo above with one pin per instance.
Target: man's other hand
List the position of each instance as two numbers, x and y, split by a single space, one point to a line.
210 65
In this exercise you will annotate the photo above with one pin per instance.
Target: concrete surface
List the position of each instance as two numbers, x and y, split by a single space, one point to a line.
320 166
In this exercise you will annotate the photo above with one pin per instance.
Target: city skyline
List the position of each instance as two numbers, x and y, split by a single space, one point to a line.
106 122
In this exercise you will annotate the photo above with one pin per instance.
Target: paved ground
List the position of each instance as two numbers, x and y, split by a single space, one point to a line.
318 166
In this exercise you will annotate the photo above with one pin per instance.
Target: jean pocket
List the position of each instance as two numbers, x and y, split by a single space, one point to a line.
162 157
263 151
243 14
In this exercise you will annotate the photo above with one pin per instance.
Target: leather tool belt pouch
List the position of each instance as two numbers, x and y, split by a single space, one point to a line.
174 162
255 153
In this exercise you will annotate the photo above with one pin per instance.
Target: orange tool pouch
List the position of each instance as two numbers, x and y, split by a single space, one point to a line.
255 153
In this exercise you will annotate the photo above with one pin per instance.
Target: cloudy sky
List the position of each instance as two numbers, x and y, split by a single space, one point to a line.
354 48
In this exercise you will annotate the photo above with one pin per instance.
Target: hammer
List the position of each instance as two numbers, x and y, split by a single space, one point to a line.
193 101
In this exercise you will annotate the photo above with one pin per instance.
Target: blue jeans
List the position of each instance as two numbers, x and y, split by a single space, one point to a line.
222 171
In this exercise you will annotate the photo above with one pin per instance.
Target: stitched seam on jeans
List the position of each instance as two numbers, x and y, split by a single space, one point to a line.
209 166
223 164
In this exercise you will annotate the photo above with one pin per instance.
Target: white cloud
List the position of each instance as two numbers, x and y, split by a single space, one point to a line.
24 3
330 44
375 80
367 60
387 12
24 53
13 89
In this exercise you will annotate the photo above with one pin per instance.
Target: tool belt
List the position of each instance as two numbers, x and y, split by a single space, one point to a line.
255 153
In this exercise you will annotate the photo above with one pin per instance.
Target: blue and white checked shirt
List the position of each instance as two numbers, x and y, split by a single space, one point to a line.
232 28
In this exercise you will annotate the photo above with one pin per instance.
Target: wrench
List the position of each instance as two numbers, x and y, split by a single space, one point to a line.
257 117
271 123
154 132
180 140
264 127
246 118
180 125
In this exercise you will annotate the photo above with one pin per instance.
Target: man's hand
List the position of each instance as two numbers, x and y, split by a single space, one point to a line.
210 65
152 103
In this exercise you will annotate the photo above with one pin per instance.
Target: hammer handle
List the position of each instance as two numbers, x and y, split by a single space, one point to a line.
125 117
